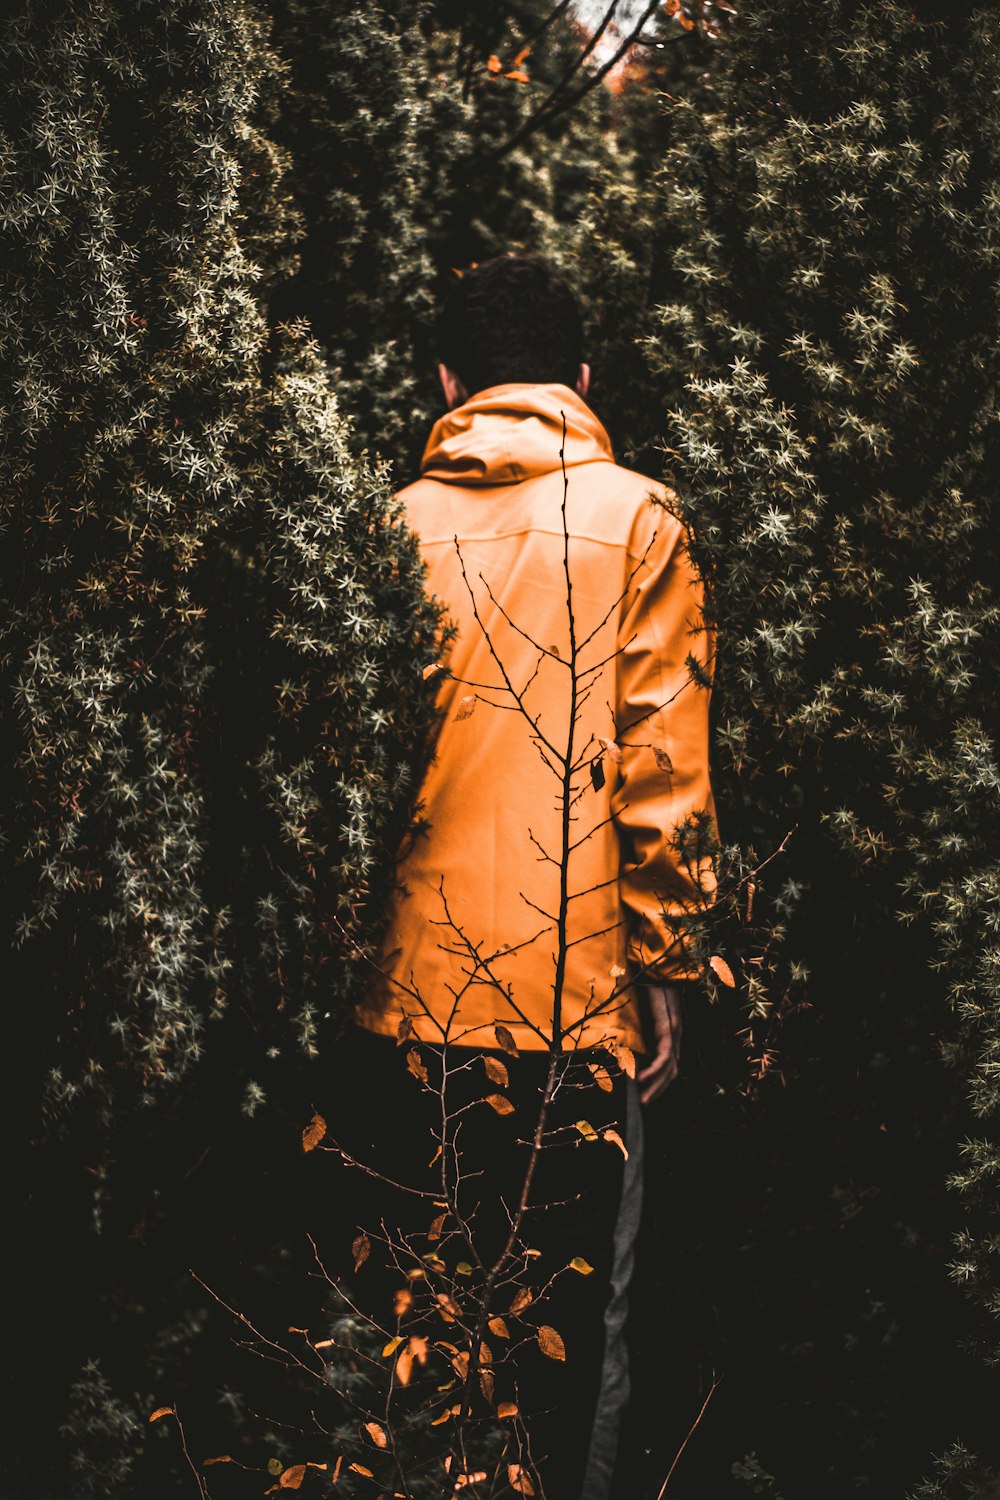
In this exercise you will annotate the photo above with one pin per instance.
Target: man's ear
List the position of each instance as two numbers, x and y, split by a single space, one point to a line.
454 391
583 381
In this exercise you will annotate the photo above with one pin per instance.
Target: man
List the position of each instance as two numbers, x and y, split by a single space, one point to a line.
544 906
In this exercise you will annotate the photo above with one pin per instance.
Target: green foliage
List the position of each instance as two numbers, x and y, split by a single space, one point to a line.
211 661
397 130
217 630
831 222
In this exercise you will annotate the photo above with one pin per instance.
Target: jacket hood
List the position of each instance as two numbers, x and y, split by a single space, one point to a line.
508 433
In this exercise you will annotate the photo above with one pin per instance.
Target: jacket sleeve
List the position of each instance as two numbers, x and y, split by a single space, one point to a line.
664 794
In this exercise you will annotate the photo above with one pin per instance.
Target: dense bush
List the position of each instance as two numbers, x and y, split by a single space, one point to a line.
211 649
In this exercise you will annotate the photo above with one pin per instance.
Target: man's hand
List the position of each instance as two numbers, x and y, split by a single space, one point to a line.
665 1016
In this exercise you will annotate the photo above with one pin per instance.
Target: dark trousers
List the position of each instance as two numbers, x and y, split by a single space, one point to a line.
380 1114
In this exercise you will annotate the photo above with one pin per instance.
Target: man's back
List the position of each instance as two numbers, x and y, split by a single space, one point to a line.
576 610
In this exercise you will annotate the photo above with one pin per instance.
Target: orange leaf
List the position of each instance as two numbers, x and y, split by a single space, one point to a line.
361 1248
601 1077
448 1307
625 1058
518 75
521 1300
551 1343
435 666
466 707
313 1133
223 1458
419 1348
616 1140
292 1478
522 56
377 1434
360 1469
403 1301
443 1417
722 970
505 1040
460 1364
499 1327
392 1346
507 1409
519 1480
496 1070
500 1103
404 1367
336 1469
485 1354
586 1130
579 1264
161 1411
493 64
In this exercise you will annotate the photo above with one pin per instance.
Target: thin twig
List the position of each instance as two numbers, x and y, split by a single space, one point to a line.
691 1432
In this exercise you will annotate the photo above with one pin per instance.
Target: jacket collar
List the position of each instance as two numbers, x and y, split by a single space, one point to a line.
509 433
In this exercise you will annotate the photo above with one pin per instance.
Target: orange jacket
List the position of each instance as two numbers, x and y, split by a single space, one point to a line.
475 937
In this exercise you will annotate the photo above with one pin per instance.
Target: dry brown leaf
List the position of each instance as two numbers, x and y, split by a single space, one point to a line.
436 1226
616 1140
519 1479
496 1070
223 1458
486 1383
161 1411
521 1299
500 1103
466 707
460 1364
601 1077
499 1327
663 760
404 1030
722 971
291 1479
611 750
448 1307
551 1342
435 666
361 1248
505 1040
377 1434
415 1065
313 1133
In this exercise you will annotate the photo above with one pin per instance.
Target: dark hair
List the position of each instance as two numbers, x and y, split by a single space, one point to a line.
511 319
